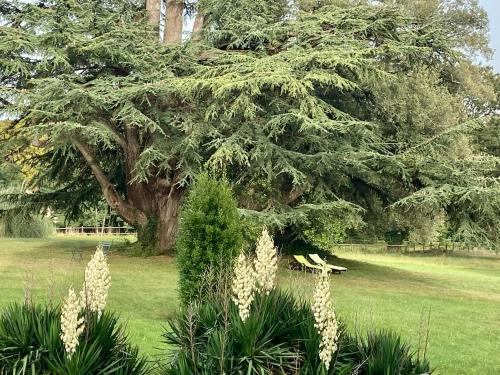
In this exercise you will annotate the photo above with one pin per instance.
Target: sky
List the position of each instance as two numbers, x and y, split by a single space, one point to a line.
493 9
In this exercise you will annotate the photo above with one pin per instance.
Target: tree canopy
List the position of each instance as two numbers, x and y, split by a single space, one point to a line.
311 109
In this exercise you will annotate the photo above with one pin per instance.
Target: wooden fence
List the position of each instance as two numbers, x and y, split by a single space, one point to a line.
447 247
97 231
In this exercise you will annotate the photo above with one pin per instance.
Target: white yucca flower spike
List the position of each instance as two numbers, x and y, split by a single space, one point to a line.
266 263
243 286
324 317
71 326
97 282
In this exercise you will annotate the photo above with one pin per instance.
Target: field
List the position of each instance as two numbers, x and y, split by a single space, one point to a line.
397 292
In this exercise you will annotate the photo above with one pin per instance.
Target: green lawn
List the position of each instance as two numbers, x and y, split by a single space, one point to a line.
389 291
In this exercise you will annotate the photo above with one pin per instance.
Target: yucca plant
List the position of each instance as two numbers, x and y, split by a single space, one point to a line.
346 358
278 337
27 334
386 354
244 324
30 343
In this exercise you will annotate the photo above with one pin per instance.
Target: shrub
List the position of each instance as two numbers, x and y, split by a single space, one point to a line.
326 233
210 233
210 337
20 225
385 353
278 337
30 343
241 328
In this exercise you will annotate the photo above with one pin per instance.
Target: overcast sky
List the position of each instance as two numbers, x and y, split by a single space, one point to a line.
493 9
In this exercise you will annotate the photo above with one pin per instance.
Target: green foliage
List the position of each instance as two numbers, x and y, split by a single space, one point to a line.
30 343
279 337
21 225
385 353
210 234
18 222
395 236
465 21
332 108
329 232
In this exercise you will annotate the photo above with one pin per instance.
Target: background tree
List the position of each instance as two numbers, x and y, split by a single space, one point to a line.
281 98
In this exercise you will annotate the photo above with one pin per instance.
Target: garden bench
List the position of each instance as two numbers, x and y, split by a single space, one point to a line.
106 246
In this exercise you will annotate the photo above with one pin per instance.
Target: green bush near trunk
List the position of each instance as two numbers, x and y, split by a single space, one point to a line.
210 233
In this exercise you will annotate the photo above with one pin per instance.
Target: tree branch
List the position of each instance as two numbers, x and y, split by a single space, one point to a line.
119 137
126 211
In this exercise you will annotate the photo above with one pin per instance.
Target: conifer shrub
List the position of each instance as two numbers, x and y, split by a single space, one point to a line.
210 234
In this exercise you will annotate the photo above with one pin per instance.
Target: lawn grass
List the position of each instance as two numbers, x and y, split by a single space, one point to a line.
383 291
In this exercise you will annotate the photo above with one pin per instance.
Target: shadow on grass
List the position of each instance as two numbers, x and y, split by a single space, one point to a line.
373 272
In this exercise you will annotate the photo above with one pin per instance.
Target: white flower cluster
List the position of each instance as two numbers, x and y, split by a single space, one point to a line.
97 282
260 277
243 286
325 319
266 263
71 326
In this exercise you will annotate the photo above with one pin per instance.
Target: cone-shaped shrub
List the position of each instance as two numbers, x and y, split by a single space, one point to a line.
210 234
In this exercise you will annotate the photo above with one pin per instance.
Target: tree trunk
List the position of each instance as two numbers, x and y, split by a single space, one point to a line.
159 234
168 222
173 21
198 25
150 206
153 9
128 212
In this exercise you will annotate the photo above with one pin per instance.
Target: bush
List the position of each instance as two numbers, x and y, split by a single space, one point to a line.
326 233
385 353
30 343
210 233
279 337
19 225
239 327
